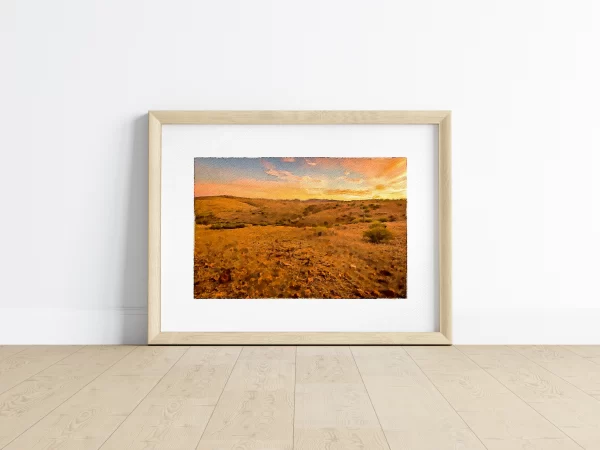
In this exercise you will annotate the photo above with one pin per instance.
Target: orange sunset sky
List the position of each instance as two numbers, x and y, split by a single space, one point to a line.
301 178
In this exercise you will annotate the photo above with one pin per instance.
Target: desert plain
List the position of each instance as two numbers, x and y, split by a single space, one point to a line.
251 248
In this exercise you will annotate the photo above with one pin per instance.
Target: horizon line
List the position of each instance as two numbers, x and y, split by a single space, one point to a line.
300 200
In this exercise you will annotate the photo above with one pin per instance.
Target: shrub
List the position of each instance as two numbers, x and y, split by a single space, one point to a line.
377 233
378 224
311 210
226 226
204 218
392 218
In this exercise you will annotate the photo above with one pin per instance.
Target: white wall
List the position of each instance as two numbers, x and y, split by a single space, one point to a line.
521 77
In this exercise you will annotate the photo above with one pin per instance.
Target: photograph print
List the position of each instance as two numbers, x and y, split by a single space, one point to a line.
296 227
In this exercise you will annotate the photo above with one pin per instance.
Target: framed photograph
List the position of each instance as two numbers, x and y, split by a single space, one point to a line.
299 227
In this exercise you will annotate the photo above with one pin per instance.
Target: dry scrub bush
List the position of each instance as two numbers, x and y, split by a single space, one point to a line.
321 231
377 233
226 226
204 218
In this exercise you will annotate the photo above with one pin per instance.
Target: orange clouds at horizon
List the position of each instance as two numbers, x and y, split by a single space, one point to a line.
301 178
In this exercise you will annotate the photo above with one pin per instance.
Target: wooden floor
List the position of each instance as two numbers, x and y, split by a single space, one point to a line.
308 398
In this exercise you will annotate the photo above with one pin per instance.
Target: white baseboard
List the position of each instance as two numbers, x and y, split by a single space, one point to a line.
527 326
58 326
129 326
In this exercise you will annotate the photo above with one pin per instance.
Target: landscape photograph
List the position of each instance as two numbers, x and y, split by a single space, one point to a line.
296 227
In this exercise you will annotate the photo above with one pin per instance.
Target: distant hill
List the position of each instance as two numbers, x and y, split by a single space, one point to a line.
296 213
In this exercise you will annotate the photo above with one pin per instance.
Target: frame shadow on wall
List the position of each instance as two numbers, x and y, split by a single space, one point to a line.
133 271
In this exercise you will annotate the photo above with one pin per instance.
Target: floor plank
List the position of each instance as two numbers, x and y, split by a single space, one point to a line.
176 411
25 404
87 419
590 352
576 413
501 419
19 366
569 366
8 350
333 409
413 413
255 410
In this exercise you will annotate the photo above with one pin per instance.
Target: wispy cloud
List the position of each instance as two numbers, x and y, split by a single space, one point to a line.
350 180
350 192
286 175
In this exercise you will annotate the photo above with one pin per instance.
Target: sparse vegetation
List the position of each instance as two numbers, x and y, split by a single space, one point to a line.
299 249
226 226
378 233
204 218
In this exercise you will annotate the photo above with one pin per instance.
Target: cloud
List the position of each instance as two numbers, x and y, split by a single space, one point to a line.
376 167
252 188
288 160
351 192
355 180
365 168
350 180
286 175
281 174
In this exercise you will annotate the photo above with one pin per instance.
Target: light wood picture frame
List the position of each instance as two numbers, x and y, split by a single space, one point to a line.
156 120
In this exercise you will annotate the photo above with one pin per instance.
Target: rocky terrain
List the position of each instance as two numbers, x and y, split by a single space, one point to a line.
257 248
